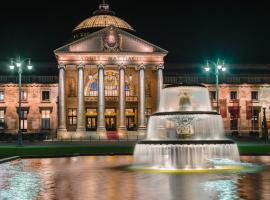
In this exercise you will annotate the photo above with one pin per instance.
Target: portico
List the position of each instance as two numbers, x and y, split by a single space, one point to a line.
97 101
109 80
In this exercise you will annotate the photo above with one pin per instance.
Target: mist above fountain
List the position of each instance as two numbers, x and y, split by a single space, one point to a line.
185 133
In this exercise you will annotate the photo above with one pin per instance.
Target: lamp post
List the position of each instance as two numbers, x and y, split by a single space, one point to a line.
18 64
264 126
218 66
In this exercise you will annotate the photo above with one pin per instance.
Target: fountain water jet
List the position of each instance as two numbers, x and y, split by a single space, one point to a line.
185 133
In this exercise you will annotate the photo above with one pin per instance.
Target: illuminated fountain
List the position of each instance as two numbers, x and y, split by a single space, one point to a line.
185 133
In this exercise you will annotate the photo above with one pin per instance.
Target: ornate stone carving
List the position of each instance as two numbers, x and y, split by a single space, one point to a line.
111 41
80 66
160 66
100 66
122 66
183 126
61 66
141 66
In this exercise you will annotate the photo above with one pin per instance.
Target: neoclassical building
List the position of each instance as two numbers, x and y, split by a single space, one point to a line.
109 79
109 83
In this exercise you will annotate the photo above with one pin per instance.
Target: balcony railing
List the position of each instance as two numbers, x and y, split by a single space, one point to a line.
191 79
29 79
112 98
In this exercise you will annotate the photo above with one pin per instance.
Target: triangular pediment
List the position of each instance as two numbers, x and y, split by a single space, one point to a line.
110 39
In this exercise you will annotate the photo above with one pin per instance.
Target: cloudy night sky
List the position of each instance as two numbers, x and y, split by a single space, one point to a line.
190 31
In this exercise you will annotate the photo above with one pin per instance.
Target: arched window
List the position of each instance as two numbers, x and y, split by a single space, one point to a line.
111 85
127 90
93 88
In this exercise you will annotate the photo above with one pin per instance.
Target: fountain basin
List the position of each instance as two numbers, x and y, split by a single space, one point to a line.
184 154
185 133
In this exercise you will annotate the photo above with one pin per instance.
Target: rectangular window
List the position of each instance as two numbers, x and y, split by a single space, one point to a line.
234 116
45 119
234 123
255 119
2 119
212 95
24 95
72 116
233 95
254 95
45 95
24 114
2 95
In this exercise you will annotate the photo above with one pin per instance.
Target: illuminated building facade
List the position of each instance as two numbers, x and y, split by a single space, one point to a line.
39 104
109 79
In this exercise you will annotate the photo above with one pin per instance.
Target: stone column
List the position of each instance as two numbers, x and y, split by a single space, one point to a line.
80 101
122 101
142 125
62 128
101 101
159 69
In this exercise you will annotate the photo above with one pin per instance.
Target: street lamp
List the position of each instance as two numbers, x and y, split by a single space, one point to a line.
18 64
264 126
218 66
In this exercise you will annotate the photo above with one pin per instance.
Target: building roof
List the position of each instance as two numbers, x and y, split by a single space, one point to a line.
101 21
178 69
103 17
94 43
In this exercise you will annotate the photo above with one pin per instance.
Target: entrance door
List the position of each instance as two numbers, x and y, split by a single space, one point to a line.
131 126
130 119
110 123
91 123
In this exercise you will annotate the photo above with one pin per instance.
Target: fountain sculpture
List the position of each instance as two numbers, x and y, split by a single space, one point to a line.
185 133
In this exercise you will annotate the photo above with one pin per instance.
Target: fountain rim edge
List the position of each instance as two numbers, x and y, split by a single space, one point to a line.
185 113
186 142
183 85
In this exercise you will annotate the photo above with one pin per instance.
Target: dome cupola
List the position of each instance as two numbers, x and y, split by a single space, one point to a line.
103 17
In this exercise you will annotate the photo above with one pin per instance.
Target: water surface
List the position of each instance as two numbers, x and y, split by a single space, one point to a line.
103 178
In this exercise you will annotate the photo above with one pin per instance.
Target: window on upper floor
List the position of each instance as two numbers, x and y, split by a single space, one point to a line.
233 95
2 95
45 95
254 95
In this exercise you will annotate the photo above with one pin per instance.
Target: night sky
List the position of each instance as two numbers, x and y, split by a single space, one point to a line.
192 32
